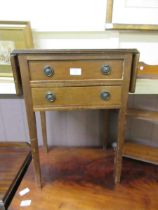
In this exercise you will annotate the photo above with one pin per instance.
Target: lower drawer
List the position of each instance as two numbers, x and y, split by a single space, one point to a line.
76 97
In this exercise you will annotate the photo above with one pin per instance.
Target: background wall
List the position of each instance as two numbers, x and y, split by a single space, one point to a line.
57 15
76 24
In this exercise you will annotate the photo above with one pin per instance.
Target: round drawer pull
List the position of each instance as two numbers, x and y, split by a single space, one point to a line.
105 95
50 97
106 69
48 71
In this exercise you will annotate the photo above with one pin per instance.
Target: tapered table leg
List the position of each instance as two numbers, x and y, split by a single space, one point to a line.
31 119
119 148
104 127
44 130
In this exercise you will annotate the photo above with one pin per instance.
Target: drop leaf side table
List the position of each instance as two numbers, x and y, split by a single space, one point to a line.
75 80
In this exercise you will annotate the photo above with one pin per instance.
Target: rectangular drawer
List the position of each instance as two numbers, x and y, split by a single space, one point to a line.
76 69
95 96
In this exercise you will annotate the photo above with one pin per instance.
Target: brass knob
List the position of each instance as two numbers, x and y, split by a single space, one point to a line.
106 69
48 71
50 97
105 95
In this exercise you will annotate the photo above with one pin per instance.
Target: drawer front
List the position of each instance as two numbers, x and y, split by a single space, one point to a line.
99 96
76 70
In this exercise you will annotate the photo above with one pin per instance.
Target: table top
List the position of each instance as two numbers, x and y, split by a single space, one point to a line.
14 160
73 51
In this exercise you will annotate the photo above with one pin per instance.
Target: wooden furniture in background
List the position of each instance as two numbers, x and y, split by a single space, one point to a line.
135 150
76 79
146 71
141 152
14 161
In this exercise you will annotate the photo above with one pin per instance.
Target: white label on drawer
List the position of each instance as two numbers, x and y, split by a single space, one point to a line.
75 71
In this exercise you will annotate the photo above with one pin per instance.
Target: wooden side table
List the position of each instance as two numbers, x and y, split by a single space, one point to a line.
14 161
76 79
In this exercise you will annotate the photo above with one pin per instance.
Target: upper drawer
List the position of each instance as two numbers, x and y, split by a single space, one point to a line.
76 69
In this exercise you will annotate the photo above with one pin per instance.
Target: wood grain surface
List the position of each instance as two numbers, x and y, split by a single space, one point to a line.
141 152
90 69
76 97
82 179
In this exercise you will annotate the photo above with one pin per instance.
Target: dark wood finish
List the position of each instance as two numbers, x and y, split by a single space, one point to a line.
141 152
81 93
14 161
64 52
81 179
16 75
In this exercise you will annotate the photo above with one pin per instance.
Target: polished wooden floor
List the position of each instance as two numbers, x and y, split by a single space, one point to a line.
82 179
